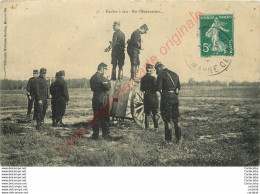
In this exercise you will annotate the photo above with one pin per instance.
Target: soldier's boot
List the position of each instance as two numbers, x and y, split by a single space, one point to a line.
168 132
39 125
58 121
155 122
120 73
133 74
146 122
95 134
54 124
106 131
177 131
28 118
113 75
34 115
136 69
136 76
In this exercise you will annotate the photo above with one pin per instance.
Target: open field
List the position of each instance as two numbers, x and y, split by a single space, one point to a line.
220 127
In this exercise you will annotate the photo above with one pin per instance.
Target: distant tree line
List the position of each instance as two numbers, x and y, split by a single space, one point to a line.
78 83
84 83
22 84
192 82
13 84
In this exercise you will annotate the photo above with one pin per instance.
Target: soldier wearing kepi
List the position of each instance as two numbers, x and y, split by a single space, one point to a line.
118 51
133 49
62 98
31 94
151 101
41 96
54 95
100 86
169 85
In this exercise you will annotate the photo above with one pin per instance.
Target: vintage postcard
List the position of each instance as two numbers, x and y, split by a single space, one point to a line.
129 83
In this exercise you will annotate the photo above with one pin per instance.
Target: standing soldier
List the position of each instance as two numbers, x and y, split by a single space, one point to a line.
134 47
41 96
151 101
31 94
118 51
169 85
100 86
54 94
62 98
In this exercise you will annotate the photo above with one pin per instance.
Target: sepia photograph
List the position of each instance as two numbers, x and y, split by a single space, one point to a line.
130 83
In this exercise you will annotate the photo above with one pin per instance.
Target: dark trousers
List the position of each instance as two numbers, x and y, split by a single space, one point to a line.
61 108
53 110
118 58
134 59
151 105
155 122
30 105
170 114
120 72
101 119
40 111
168 131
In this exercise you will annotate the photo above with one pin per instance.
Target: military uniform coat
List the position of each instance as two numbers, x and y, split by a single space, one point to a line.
60 96
151 101
167 83
30 93
100 86
41 93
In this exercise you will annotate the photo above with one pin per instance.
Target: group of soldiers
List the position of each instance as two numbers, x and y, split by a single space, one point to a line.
118 50
167 84
38 94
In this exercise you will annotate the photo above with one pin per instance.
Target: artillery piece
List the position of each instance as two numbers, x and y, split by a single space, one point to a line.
130 105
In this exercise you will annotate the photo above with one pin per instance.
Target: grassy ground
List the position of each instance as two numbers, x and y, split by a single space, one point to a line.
220 127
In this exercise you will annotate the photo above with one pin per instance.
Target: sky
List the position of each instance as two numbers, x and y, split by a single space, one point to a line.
72 36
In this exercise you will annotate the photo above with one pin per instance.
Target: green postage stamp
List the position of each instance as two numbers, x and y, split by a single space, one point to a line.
216 35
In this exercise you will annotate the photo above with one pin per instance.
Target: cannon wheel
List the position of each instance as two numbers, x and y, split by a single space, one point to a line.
137 108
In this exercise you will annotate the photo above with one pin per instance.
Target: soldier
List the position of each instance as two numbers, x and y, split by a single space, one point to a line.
134 47
62 98
54 94
100 86
151 101
118 51
41 96
31 94
169 85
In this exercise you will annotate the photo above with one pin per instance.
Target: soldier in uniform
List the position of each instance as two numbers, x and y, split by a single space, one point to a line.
62 98
134 47
31 95
100 86
54 94
41 96
118 51
169 85
151 101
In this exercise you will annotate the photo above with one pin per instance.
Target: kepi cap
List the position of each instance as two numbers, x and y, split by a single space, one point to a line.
43 70
116 23
149 67
102 65
35 71
158 64
145 27
57 74
62 73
